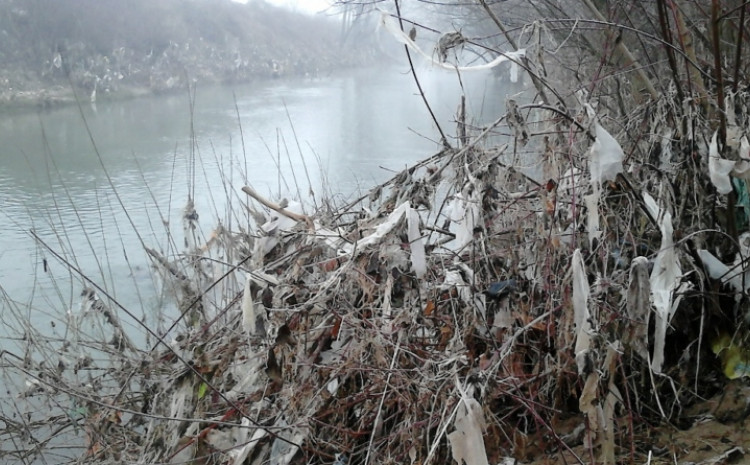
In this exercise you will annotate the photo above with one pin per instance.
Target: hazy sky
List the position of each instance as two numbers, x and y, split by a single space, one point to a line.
304 6
309 6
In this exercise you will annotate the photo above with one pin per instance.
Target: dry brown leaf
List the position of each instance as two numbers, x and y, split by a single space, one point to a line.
429 308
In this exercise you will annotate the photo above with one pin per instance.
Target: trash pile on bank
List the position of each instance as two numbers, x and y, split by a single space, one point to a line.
553 294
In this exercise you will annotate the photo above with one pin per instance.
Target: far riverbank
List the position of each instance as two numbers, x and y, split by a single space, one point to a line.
56 51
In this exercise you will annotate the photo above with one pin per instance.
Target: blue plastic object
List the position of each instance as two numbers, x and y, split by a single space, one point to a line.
501 288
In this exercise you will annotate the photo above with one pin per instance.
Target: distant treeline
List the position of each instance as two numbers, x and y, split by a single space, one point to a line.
158 44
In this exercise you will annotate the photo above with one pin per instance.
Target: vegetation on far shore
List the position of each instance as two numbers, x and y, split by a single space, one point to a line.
106 48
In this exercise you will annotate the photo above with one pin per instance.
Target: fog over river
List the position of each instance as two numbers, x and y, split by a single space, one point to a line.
353 130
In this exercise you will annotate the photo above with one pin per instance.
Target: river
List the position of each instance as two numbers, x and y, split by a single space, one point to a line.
100 182
93 199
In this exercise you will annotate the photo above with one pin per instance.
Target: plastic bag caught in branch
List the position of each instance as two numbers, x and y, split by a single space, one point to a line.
467 444
719 168
740 263
580 289
742 167
664 280
581 316
271 230
605 157
381 231
464 215
248 310
638 307
416 244
285 447
605 163
592 215
238 455
453 279
737 276
391 25
516 121
718 270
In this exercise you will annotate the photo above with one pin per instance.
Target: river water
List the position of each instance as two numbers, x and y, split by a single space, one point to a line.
98 183
93 195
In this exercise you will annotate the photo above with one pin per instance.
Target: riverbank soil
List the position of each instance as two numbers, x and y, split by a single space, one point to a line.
714 431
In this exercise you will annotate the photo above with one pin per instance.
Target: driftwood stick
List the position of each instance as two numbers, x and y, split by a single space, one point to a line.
277 208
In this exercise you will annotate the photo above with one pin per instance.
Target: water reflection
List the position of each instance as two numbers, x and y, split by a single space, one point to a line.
95 206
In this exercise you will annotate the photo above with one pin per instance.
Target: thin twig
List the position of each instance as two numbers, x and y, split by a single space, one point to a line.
443 138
